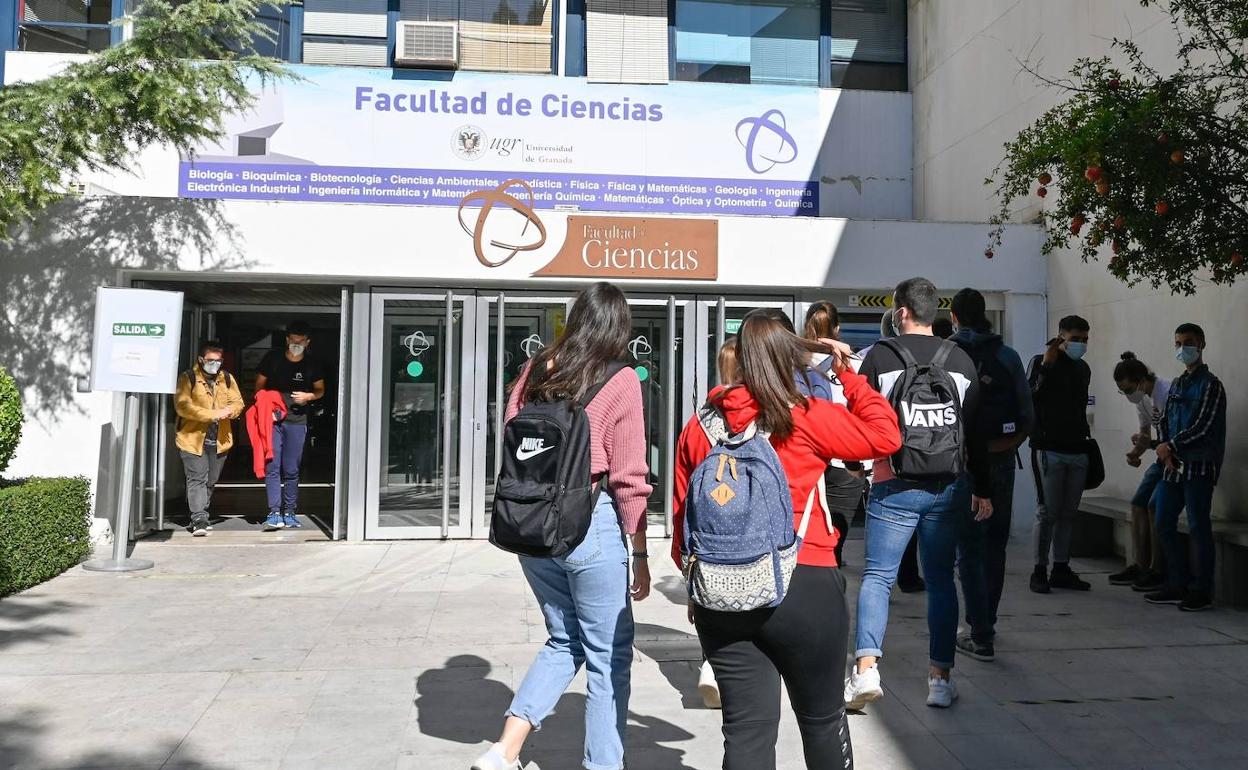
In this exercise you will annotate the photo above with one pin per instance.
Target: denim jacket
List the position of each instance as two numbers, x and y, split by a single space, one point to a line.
1194 423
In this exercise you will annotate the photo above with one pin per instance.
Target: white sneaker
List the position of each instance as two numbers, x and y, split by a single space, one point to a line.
708 687
941 693
864 688
495 759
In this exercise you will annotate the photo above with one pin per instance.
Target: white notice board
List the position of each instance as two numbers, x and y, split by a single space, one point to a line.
135 345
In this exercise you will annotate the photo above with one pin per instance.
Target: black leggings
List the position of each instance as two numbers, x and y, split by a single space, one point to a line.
803 642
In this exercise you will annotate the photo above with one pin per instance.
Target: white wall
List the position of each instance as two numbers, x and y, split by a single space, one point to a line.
970 97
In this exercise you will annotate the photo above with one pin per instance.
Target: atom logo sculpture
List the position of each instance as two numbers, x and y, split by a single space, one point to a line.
499 196
778 147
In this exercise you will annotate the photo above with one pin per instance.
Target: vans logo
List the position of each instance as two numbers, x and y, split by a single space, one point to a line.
928 415
531 447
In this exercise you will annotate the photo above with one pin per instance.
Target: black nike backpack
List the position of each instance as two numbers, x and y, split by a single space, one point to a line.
545 495
929 413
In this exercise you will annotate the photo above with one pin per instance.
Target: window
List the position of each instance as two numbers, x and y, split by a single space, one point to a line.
494 35
64 26
869 44
743 41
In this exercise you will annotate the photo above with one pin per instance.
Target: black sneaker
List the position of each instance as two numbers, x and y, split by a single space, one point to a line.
968 646
1064 577
916 586
1127 577
1040 580
1196 601
1166 596
1148 582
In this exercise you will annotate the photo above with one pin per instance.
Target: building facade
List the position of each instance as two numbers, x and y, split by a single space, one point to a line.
437 185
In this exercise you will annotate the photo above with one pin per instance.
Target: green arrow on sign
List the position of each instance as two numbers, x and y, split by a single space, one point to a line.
138 330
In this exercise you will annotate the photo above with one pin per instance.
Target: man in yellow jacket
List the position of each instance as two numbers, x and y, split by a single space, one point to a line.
207 399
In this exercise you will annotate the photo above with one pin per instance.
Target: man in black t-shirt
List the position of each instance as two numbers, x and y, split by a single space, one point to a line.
301 381
937 505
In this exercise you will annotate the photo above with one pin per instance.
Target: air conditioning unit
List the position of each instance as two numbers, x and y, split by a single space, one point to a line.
427 44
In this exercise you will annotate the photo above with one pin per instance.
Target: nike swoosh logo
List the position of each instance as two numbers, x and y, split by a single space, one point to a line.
525 454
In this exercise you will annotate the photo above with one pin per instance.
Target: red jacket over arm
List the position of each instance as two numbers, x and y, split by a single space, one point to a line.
822 431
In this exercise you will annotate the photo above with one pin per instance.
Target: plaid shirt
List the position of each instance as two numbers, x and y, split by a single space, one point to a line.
1212 406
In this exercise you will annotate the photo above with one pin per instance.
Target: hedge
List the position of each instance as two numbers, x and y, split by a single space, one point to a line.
44 529
10 418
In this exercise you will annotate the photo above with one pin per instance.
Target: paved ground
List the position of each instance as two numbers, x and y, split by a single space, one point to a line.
338 655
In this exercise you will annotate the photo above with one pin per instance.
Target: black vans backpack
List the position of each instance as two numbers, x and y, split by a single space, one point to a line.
998 411
929 413
545 495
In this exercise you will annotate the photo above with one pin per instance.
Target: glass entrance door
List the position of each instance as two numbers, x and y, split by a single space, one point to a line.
421 421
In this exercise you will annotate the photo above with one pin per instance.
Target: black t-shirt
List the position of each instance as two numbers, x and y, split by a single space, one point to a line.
883 368
286 377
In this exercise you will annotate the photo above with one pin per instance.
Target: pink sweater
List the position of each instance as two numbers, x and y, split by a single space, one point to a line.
618 442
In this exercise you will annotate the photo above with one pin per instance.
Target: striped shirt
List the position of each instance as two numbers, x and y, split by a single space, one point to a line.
1212 404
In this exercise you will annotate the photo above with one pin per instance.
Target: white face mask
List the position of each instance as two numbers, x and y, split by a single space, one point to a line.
1135 397
211 367
296 349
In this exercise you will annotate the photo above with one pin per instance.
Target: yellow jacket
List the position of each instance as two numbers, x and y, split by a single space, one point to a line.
195 401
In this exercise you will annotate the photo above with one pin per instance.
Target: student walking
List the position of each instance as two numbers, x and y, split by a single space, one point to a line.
845 483
800 637
933 386
206 400
1003 420
300 381
585 593
1059 386
1148 392
1193 445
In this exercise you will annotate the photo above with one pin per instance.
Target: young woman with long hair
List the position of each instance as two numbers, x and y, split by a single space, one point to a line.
585 595
802 641
846 483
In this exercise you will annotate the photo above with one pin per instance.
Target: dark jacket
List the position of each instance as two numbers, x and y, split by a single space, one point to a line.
1060 395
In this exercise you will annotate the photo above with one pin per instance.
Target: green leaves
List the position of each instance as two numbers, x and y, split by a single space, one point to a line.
187 65
11 418
1170 197
44 529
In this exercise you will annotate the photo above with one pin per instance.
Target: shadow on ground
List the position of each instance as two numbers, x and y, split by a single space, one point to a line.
459 703
22 735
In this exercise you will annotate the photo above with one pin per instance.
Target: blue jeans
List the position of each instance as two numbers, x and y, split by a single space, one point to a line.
1197 494
281 474
939 510
1146 492
584 598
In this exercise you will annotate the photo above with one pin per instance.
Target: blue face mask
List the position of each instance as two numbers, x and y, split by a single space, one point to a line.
1187 355
1076 349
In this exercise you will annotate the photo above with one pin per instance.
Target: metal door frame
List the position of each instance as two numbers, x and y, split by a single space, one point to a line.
468 423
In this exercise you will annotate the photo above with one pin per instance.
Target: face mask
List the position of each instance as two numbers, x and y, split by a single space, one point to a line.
1135 397
296 350
211 367
1187 355
1076 349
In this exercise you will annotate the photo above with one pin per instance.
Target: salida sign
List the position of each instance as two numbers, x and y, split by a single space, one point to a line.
595 246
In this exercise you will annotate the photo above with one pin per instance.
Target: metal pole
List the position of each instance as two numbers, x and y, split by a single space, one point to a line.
340 439
669 406
500 408
721 322
449 359
162 433
121 522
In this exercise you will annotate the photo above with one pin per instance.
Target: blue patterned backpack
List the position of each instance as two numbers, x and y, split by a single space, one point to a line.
739 548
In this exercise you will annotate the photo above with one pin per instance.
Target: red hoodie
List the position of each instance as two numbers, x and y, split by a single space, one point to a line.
822 431
260 427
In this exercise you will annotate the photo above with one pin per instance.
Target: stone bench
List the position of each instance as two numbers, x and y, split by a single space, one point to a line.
1106 531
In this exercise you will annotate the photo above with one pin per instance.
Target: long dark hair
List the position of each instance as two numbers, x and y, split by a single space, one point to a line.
822 320
770 354
595 335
